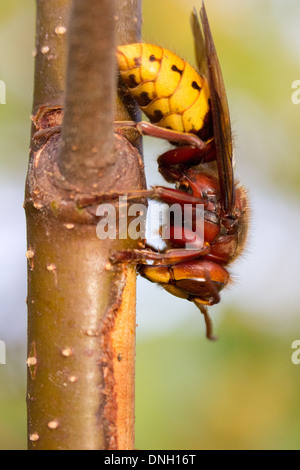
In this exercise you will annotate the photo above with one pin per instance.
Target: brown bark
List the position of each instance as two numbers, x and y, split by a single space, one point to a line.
50 61
90 93
81 309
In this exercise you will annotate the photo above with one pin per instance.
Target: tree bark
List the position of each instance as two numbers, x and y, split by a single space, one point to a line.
87 126
81 308
50 53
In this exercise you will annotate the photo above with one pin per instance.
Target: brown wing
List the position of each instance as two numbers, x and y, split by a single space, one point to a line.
199 43
221 118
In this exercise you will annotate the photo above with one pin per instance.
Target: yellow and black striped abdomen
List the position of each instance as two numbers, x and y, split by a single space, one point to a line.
168 89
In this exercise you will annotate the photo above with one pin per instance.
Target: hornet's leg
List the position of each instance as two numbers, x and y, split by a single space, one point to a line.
47 133
191 150
208 322
148 129
158 193
43 119
169 257
173 163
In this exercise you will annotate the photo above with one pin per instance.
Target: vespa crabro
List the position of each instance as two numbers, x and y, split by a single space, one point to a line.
189 108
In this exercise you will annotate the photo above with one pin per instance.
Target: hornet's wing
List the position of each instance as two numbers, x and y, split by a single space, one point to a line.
220 116
199 44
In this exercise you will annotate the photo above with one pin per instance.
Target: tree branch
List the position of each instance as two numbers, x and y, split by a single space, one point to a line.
90 93
81 329
50 62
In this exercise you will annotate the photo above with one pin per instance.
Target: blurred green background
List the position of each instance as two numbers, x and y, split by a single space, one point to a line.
243 391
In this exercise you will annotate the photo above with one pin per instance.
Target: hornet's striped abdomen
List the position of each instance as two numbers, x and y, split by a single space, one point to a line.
168 89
